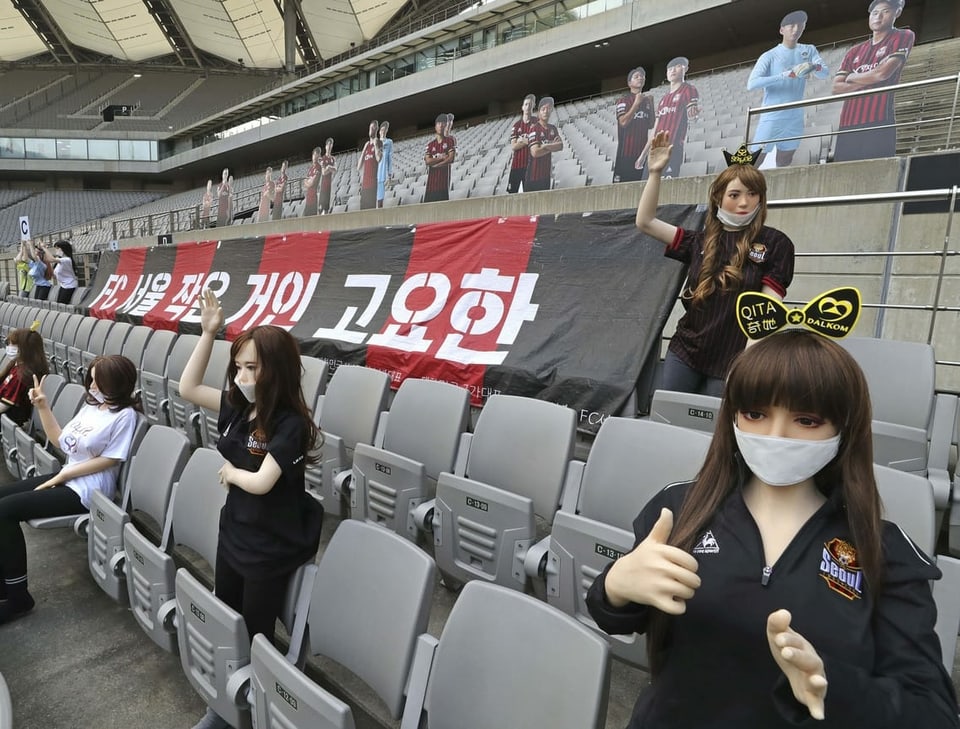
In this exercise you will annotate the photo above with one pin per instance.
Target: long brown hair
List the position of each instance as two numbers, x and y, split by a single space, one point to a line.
116 378
727 275
278 382
31 358
805 372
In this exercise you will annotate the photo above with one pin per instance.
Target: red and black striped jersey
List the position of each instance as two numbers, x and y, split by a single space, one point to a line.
521 157
438 176
541 167
673 109
874 109
633 136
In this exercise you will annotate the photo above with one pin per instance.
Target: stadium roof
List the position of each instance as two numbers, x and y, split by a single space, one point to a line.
243 32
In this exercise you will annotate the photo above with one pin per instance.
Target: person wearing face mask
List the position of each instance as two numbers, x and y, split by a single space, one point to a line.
95 442
269 525
735 252
25 359
771 592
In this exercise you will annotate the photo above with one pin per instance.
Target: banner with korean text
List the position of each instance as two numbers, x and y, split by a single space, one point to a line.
564 308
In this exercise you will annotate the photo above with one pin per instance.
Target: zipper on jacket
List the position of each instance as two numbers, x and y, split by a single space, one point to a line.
767 571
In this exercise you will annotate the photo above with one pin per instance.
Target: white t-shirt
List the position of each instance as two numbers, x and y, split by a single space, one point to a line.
94 432
64 273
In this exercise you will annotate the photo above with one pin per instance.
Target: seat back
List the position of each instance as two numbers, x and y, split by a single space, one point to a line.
134 345
421 435
908 502
6 705
523 446
195 515
179 410
95 346
153 375
489 670
116 337
61 346
215 376
313 379
8 431
371 599
79 345
685 409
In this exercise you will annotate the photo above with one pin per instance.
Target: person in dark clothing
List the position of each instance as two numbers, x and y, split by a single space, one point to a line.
778 595
269 525
25 359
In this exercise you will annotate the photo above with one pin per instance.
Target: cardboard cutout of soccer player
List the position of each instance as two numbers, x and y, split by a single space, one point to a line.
367 165
782 73
677 107
311 185
635 114
206 205
225 199
266 196
520 143
279 190
328 166
875 63
385 165
440 154
544 140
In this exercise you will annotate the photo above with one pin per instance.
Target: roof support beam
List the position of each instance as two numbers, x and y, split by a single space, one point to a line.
169 22
46 27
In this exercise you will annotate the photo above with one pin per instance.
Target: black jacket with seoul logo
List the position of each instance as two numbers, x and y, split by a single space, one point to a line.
881 655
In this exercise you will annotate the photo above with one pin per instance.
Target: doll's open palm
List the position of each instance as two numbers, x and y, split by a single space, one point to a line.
798 660
659 155
211 313
654 573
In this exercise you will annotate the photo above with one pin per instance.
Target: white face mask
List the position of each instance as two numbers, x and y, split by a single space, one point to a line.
97 395
731 220
249 391
785 461
13 351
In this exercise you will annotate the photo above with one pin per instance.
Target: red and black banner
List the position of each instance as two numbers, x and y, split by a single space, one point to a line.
564 308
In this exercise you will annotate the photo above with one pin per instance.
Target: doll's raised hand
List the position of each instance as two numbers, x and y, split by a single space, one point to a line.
654 573
798 660
211 313
659 155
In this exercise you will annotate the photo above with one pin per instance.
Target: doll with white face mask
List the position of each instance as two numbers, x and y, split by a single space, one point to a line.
770 590
735 252
25 358
269 525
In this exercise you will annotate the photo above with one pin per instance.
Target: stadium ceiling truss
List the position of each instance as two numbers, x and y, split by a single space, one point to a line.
190 33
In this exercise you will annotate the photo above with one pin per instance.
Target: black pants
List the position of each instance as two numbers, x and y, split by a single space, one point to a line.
19 502
516 179
258 601
64 295
41 293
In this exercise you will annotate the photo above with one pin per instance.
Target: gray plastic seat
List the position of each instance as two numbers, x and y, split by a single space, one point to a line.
6 705
205 421
73 364
53 332
485 519
134 346
61 361
155 466
193 520
116 338
181 413
685 409
94 347
52 384
629 462
313 379
347 414
505 659
369 602
153 375
417 440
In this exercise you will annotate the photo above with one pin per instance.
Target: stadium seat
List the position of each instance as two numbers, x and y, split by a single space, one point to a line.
908 501
52 384
629 462
416 441
313 379
155 466
215 376
485 519
94 347
134 346
6 705
364 566
685 409
153 376
347 414
181 412
116 338
72 368
505 659
191 520
61 362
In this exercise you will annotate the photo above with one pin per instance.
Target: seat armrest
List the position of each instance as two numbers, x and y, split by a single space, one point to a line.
535 560
420 668
239 684
423 515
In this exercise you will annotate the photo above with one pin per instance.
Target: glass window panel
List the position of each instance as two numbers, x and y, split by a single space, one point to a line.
103 149
71 149
11 147
41 148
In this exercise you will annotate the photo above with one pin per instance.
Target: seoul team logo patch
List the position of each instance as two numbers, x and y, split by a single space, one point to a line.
758 252
841 570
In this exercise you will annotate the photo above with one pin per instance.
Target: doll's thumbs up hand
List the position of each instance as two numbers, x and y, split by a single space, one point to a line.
798 660
654 573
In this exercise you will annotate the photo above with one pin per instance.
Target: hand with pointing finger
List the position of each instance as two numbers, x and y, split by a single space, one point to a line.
36 395
799 661
654 573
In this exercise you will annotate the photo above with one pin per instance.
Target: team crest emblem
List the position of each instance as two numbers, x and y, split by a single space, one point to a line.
758 252
707 544
840 569
881 52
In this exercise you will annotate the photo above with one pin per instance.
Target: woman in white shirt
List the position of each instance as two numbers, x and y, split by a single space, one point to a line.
96 441
63 269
